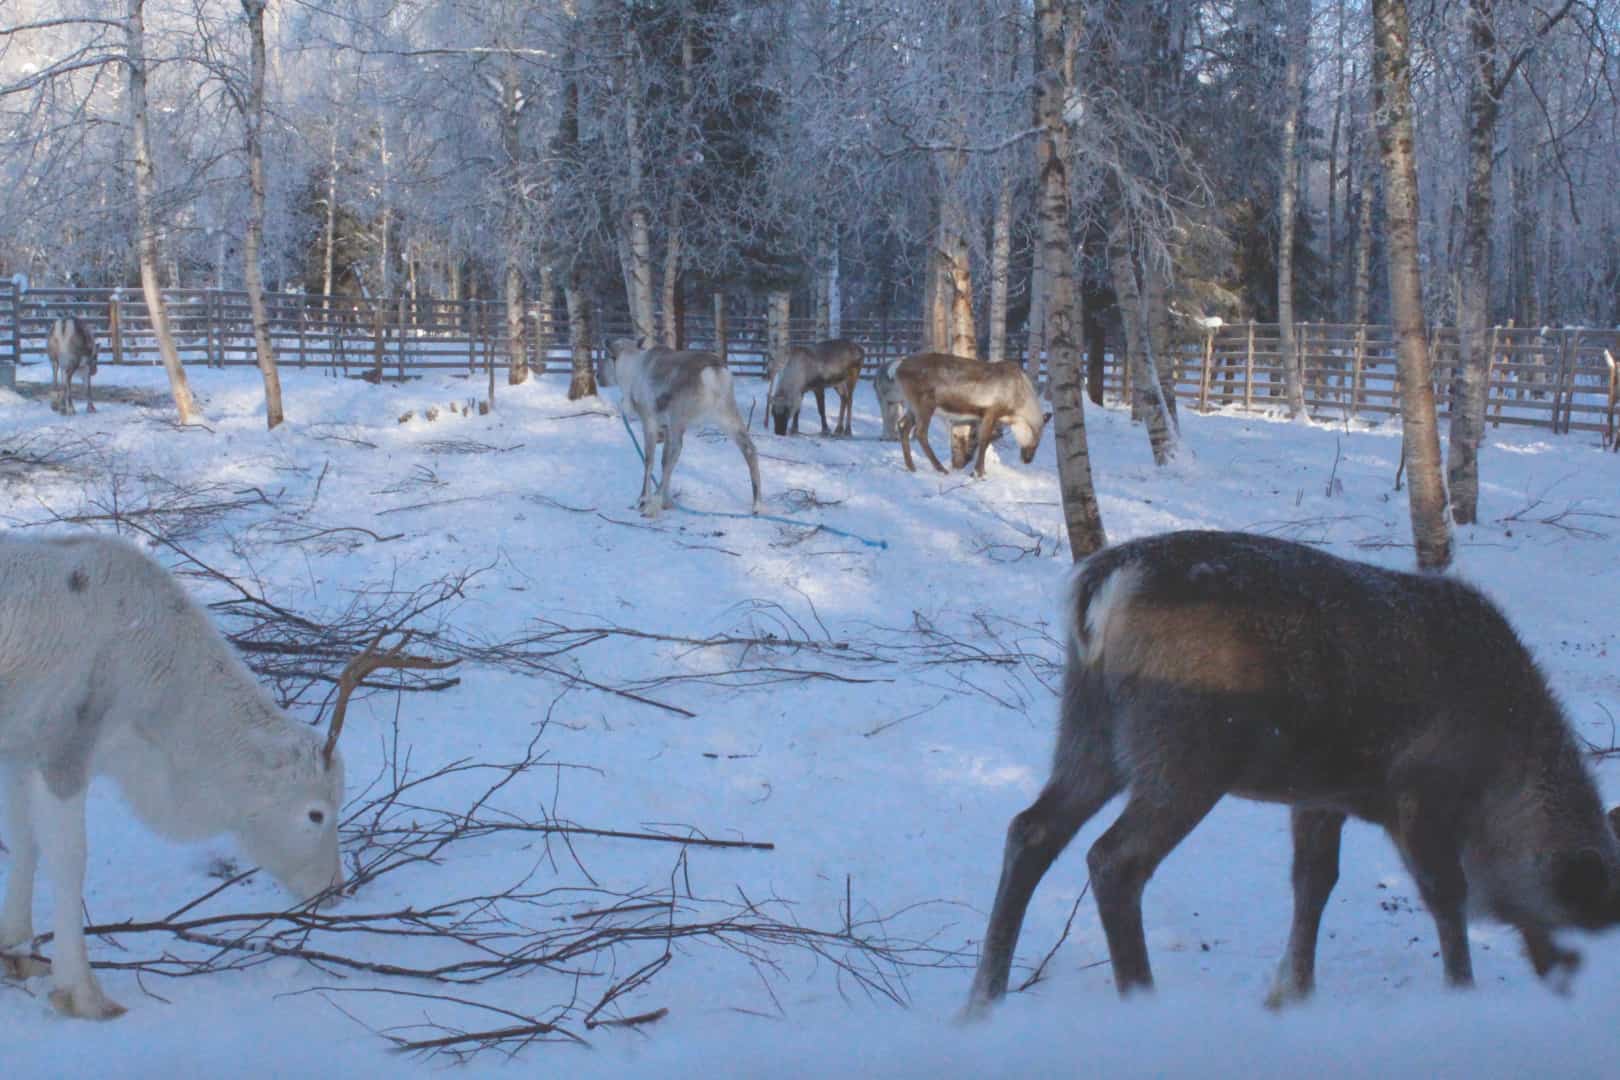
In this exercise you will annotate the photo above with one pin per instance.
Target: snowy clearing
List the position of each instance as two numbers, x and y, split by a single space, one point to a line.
883 769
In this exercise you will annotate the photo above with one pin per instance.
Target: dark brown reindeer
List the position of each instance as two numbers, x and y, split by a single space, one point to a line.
965 389
1203 664
71 347
836 364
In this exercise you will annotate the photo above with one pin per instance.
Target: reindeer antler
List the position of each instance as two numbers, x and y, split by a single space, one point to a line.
355 671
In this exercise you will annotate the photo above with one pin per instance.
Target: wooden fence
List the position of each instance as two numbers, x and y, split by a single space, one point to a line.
10 335
1556 379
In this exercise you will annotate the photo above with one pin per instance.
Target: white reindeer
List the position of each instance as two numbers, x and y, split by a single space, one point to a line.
71 347
670 391
107 667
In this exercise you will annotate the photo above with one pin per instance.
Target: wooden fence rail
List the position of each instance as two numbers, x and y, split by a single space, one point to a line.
1556 379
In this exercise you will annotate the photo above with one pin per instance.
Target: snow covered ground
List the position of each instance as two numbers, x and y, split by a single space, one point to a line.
889 796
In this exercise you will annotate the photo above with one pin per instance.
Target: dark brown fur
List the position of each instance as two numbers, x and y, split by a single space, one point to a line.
1204 664
988 394
834 364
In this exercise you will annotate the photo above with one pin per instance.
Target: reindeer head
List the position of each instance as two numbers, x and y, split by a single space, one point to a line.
291 822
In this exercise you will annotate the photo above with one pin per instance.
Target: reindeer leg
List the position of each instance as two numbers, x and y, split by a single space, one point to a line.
1124 858
1082 781
674 439
89 402
1316 871
987 428
59 825
821 408
923 419
649 436
17 915
1425 829
1555 964
907 424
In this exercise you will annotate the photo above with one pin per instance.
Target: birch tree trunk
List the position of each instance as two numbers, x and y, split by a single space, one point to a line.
1147 402
329 261
823 285
780 307
583 383
512 102
1431 528
1000 257
637 248
1081 516
1296 40
146 214
674 310
254 238
1469 392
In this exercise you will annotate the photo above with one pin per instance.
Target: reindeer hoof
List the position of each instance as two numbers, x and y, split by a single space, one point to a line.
86 1003
22 968
1281 997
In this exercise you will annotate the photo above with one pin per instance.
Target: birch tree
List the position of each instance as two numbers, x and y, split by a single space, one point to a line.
1296 45
1081 515
1486 86
253 234
1420 436
145 212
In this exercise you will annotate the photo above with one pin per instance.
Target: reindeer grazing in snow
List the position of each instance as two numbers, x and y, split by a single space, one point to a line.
670 391
107 667
1203 664
964 389
71 345
891 402
835 363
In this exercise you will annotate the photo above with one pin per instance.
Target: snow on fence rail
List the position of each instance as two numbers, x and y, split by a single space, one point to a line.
1559 379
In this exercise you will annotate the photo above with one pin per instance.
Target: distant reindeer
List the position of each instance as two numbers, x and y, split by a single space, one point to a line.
835 363
107 667
71 347
670 391
1202 664
968 390
891 402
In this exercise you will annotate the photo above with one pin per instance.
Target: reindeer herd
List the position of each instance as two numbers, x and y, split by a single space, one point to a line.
1199 665
663 388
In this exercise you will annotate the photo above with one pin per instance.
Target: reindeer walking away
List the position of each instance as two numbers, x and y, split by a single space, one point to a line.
670 391
835 363
71 347
107 667
962 389
1202 664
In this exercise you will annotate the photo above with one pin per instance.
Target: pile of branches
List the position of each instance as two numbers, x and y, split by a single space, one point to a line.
604 946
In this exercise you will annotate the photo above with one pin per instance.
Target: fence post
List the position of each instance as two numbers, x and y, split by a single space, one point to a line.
1204 376
1248 371
377 346
399 332
1356 368
8 370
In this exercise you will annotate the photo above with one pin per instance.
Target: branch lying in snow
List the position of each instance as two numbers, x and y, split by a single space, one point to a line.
575 929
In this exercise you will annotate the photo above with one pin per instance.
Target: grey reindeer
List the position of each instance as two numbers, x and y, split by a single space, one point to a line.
891 402
670 391
108 667
71 347
836 364
1202 664
963 389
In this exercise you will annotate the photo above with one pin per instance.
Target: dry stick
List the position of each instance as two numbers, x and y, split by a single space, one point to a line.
1040 969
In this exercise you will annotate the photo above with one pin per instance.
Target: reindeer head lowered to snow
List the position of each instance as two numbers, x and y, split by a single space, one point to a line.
108 667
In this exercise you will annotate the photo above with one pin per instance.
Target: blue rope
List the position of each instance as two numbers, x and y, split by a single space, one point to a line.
882 545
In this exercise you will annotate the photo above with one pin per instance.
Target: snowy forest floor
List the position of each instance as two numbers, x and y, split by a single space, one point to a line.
875 714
